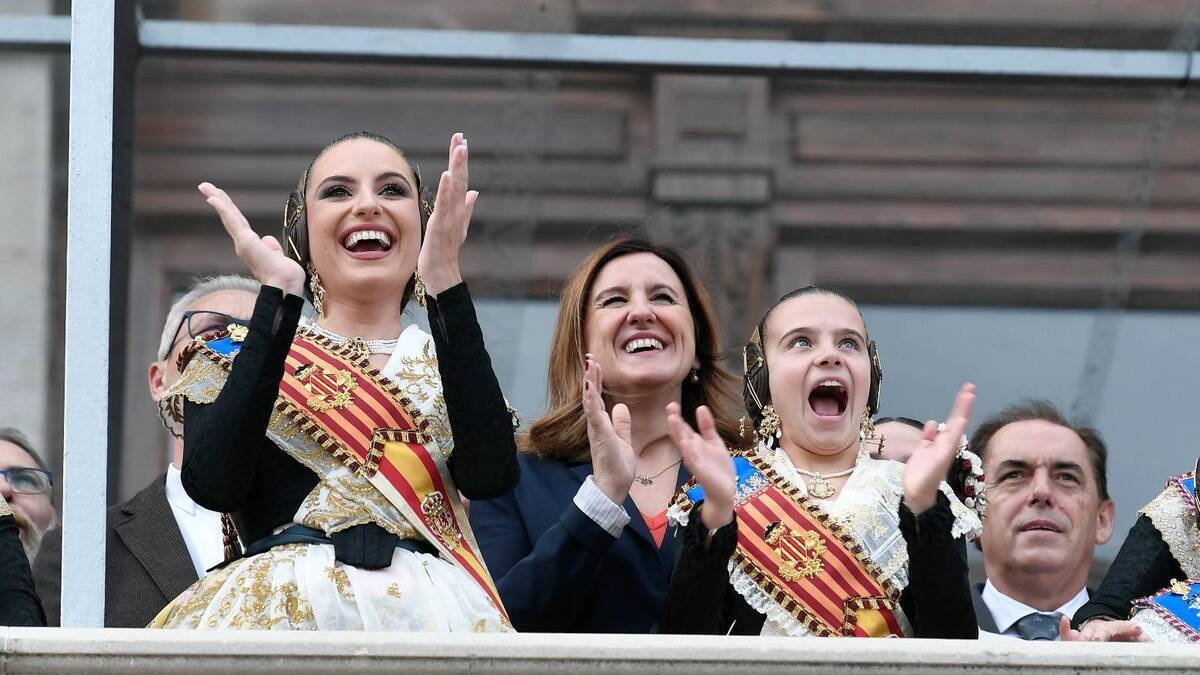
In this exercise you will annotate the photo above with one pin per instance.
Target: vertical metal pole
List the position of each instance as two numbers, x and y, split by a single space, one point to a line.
97 227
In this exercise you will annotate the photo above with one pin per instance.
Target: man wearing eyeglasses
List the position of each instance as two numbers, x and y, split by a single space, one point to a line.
25 512
26 485
160 541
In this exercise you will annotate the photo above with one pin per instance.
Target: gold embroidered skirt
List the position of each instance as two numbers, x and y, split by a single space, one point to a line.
302 587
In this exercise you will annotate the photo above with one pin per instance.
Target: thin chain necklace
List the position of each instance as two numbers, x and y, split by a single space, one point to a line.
372 346
649 480
819 486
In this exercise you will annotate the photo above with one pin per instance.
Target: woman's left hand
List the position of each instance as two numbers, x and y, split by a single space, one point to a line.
437 264
929 463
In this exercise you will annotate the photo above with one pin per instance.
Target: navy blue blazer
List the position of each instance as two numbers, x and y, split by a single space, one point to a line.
557 570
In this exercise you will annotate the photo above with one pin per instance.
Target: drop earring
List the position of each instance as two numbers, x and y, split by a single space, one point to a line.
316 290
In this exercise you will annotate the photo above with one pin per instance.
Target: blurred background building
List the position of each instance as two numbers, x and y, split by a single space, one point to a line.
1039 238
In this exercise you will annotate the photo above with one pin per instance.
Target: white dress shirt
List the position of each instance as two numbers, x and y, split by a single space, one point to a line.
1007 611
603 511
201 528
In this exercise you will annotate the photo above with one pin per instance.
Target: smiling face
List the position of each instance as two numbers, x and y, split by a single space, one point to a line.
1044 512
364 222
638 325
820 375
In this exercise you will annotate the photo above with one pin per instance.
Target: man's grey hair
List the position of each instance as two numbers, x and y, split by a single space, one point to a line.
20 440
225 282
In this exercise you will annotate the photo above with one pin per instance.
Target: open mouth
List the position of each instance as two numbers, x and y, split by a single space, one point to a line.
367 241
643 345
829 399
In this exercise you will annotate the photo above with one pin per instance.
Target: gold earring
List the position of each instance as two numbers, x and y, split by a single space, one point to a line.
770 427
866 431
316 289
866 426
419 290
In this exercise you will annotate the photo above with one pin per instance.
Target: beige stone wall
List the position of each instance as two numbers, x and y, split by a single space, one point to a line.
27 338
129 652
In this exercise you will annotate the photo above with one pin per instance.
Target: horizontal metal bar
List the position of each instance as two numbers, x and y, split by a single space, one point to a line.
35 33
567 51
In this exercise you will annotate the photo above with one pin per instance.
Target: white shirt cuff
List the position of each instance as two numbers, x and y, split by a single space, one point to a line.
596 505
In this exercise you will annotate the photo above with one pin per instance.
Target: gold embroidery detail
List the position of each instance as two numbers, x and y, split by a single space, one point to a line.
242 596
1174 518
1180 588
4 508
393 590
340 579
328 389
481 626
441 520
238 332
800 552
418 373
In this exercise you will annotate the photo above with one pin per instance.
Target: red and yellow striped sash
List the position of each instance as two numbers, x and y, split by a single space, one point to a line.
339 400
804 561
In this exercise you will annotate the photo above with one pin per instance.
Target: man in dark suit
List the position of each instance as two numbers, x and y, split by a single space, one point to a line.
1048 508
158 542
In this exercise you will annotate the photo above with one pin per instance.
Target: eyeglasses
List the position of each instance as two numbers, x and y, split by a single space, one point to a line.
202 323
27 481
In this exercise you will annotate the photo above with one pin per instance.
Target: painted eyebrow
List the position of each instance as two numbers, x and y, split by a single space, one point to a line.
806 329
387 175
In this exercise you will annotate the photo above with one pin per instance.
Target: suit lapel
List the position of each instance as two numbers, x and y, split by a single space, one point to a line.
150 532
983 615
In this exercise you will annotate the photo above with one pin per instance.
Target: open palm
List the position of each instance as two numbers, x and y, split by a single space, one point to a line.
613 458
707 457
262 255
437 263
929 463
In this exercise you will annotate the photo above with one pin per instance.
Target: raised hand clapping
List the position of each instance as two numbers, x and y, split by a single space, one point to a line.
263 255
707 457
446 230
927 466
613 458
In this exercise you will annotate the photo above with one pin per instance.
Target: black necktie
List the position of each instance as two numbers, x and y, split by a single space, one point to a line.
1038 626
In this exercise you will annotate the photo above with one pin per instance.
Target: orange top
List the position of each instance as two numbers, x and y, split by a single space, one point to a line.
657 524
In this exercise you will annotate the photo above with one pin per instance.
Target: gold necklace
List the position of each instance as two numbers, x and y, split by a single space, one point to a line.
649 480
819 486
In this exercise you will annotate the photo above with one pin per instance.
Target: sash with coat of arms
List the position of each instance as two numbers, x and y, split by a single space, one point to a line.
802 559
340 402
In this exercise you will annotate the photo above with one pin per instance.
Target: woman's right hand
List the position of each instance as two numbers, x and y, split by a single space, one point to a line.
263 255
613 458
707 458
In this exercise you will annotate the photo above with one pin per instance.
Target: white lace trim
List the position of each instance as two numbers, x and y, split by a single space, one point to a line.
1171 516
780 619
1156 628
678 516
966 521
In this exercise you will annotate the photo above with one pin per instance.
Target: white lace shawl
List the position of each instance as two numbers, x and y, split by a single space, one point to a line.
868 507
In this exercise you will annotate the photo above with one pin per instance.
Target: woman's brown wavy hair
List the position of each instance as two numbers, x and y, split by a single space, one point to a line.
562 432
